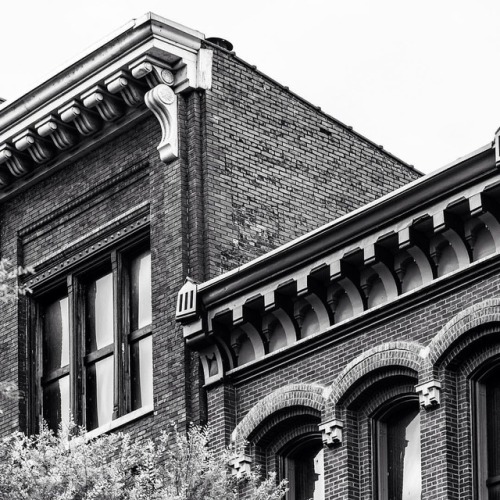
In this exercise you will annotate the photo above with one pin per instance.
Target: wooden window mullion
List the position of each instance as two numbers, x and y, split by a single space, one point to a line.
119 407
36 340
77 348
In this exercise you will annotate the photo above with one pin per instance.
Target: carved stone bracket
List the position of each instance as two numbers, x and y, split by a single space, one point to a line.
130 90
107 105
162 101
62 135
85 121
240 465
17 163
152 71
39 150
429 394
331 432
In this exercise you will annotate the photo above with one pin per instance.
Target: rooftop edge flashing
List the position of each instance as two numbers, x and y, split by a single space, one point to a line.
26 102
350 216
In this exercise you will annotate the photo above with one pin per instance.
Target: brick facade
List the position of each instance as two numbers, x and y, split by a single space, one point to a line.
256 167
429 347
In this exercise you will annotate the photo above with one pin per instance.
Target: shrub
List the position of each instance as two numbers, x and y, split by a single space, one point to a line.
178 466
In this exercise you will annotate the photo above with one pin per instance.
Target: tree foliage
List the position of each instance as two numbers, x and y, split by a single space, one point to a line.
10 288
178 466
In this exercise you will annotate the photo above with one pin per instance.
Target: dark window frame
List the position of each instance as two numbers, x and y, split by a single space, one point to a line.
480 428
286 461
380 450
72 282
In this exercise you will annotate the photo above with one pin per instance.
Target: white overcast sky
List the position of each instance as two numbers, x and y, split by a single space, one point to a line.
422 78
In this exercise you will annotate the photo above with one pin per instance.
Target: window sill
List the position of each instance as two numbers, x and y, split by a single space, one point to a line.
115 424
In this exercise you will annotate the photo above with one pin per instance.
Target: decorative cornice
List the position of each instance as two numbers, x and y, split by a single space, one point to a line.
345 259
100 93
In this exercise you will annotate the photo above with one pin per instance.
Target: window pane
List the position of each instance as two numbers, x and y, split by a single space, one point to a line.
142 372
304 470
56 404
403 455
140 291
56 336
493 429
100 382
100 313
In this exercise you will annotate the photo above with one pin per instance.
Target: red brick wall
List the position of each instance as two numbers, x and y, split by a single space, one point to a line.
277 167
257 168
446 430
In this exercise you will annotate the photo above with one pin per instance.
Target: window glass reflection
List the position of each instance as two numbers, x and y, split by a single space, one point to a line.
56 335
142 372
304 470
56 403
399 441
100 383
100 313
140 291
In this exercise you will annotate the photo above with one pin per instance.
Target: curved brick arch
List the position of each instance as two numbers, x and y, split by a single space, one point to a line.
308 395
474 316
391 354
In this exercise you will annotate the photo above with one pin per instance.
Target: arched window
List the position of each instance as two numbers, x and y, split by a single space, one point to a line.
487 427
301 463
397 440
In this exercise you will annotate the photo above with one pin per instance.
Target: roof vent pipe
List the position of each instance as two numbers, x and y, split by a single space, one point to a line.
220 42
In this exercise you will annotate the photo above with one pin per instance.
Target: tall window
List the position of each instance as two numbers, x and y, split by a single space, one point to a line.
302 465
398 462
488 435
95 342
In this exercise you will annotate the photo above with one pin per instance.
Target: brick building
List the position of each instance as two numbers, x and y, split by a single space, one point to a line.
361 360
156 155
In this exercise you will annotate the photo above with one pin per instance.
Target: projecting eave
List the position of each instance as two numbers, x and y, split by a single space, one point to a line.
93 96
381 216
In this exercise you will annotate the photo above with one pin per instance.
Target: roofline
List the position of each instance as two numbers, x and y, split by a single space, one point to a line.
310 246
92 59
318 109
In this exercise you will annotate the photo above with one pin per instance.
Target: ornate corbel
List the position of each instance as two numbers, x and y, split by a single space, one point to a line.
131 92
429 394
17 163
39 150
331 432
86 122
61 134
107 105
240 465
162 101
152 72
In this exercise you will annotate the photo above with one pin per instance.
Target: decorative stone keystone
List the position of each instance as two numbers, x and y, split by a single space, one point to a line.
331 432
429 394
162 101
240 465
